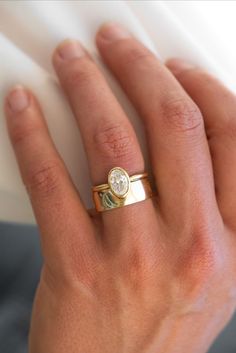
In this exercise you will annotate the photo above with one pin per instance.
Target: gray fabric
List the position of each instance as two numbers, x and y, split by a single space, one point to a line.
20 263
226 342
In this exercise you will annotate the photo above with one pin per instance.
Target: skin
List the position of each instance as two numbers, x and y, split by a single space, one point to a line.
155 276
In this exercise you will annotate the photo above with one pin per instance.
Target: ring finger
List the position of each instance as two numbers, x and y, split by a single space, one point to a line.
108 136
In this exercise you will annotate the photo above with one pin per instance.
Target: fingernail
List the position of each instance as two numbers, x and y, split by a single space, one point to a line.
112 31
177 65
18 99
70 49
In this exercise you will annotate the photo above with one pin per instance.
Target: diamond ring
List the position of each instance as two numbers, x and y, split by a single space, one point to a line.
121 190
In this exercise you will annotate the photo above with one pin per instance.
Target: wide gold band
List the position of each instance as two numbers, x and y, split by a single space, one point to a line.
138 189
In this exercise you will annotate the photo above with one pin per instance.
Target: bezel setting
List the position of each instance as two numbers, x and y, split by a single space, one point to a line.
119 182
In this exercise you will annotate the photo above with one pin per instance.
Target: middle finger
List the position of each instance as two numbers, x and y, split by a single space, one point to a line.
174 124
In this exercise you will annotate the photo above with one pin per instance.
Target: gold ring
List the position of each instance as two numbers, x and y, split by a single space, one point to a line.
121 190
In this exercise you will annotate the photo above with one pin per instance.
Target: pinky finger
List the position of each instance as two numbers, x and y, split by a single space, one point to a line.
53 196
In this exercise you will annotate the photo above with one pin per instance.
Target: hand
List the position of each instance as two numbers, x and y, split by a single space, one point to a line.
155 276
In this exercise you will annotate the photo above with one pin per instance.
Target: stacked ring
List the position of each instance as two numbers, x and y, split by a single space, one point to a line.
121 190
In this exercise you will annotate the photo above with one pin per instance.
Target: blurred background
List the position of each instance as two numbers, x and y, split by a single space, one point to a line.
20 263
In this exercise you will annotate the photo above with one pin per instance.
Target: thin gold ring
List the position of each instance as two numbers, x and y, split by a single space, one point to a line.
121 190
131 178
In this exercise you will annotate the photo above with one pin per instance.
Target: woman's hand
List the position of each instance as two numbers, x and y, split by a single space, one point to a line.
155 276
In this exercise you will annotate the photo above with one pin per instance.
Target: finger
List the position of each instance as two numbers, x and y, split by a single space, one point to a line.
178 145
54 199
218 106
108 136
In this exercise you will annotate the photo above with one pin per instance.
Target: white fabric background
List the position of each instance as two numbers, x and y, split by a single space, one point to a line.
201 31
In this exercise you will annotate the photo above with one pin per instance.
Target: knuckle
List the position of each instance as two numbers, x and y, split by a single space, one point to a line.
81 75
205 257
138 267
198 267
182 115
69 276
20 132
44 179
74 266
137 55
114 141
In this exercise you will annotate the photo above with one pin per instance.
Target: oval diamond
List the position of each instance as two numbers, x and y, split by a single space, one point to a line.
118 181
